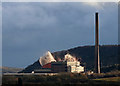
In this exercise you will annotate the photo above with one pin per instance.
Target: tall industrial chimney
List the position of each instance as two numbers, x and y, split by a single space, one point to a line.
97 59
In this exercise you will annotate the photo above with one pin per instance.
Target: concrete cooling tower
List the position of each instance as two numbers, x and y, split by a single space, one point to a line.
47 58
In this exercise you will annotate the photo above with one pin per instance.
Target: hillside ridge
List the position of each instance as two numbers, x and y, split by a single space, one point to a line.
108 56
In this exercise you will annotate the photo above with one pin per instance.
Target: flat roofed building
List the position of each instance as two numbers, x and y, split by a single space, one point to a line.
43 70
59 67
67 67
75 63
75 69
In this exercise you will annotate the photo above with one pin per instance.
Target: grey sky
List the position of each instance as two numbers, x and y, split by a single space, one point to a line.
30 29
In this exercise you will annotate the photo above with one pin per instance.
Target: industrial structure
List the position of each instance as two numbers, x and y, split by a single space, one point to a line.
69 63
50 65
97 58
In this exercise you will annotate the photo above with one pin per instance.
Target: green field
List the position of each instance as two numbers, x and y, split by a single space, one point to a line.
62 79
113 79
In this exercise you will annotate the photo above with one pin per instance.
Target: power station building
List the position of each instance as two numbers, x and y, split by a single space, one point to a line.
50 65
70 64
66 67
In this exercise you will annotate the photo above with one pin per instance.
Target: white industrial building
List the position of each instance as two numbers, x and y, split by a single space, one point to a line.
68 64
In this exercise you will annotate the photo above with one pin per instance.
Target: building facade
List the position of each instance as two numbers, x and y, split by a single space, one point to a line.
68 64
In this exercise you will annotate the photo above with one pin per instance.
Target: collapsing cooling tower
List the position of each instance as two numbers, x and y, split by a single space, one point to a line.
48 58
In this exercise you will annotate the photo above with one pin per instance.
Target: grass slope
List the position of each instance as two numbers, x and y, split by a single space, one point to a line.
10 69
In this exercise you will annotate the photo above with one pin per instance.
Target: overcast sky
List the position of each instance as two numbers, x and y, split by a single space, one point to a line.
31 29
